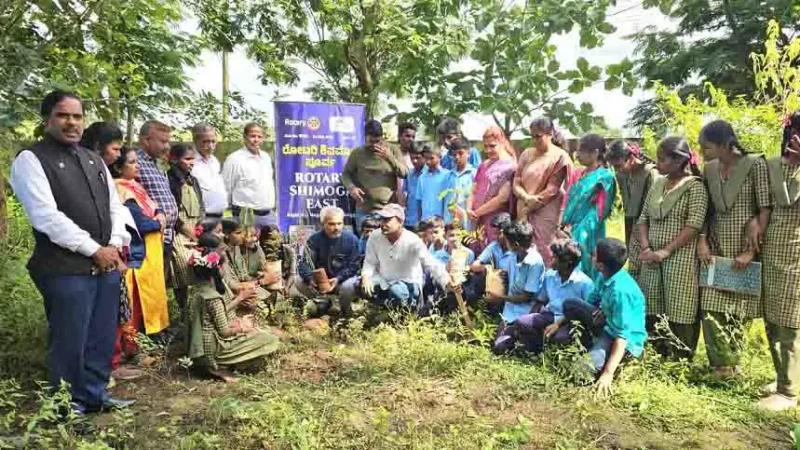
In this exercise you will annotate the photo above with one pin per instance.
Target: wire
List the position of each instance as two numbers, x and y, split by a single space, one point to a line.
625 9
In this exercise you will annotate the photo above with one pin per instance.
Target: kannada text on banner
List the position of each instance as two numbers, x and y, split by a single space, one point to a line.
312 144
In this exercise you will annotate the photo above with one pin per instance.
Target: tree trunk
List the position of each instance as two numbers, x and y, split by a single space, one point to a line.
357 50
129 128
225 90
114 107
2 207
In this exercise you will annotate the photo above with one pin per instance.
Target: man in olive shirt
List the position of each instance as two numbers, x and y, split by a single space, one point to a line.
371 173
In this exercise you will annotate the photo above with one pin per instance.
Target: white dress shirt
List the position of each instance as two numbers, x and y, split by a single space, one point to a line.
208 174
385 263
33 191
249 179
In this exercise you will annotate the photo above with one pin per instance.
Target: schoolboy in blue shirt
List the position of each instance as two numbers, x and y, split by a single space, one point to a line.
469 290
453 238
496 250
433 237
463 176
437 242
432 184
565 281
615 313
448 131
524 274
412 183
493 254
370 223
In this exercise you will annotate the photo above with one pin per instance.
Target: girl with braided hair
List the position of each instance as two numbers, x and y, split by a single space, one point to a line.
673 214
219 339
780 259
738 187
189 197
635 173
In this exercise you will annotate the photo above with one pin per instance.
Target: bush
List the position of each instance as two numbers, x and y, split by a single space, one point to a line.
758 122
23 328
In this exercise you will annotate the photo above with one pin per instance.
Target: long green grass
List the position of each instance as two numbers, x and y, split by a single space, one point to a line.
417 384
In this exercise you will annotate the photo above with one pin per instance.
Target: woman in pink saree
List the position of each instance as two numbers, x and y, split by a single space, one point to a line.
491 190
539 185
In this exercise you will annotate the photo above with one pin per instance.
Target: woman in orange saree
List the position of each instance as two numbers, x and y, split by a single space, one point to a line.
539 185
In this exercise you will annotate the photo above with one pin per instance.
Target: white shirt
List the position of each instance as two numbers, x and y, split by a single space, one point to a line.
249 180
208 174
404 260
33 191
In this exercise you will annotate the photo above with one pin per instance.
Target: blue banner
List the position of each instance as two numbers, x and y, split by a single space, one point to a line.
312 144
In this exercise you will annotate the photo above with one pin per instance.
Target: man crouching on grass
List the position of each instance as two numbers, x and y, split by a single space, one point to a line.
392 275
614 314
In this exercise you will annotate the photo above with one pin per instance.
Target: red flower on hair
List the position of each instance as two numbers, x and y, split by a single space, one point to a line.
213 258
693 159
634 150
198 231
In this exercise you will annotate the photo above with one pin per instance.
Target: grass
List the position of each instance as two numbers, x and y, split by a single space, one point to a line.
414 386
421 384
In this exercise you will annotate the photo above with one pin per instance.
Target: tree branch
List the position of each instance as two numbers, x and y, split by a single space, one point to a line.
16 16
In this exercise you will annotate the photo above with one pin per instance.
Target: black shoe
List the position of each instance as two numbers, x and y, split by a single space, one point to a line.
116 404
75 411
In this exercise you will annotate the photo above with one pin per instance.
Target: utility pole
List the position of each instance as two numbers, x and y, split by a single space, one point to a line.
225 90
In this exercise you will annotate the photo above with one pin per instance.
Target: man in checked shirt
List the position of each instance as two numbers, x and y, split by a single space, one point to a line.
154 138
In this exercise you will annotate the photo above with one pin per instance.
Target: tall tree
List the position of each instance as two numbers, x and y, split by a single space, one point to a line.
358 50
516 72
126 57
710 42
223 26
30 32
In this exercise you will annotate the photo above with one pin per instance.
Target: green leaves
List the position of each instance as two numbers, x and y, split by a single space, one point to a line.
606 28
707 42
517 74
582 64
110 51
361 51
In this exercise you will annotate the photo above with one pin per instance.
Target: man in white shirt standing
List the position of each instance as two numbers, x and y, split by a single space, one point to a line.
208 171
79 229
393 265
248 176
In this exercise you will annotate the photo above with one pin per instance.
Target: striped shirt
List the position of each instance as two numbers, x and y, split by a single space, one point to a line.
156 183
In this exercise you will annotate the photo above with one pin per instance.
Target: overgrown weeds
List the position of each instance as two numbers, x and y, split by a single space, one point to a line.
408 383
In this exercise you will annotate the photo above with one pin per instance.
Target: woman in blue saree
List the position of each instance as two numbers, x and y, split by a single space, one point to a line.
590 200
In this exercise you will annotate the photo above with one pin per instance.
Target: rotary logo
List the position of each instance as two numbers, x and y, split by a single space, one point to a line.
314 123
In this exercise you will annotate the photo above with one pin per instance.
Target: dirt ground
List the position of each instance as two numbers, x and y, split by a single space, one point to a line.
185 404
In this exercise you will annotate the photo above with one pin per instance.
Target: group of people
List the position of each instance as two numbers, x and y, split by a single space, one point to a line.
540 219
115 227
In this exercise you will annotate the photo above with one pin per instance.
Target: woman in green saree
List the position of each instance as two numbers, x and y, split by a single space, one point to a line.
590 200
